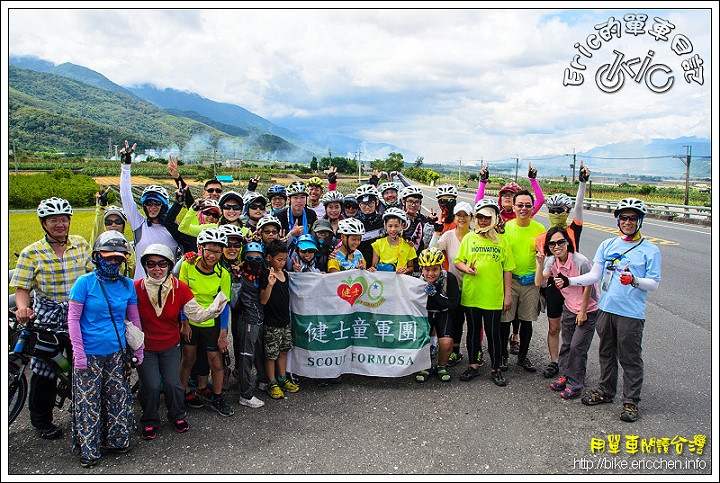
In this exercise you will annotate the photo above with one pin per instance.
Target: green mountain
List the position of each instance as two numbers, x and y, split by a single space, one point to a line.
53 113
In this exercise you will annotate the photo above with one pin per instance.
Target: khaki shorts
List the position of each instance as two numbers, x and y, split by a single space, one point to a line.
525 301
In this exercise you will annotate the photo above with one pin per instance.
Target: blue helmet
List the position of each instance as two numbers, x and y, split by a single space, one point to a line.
253 247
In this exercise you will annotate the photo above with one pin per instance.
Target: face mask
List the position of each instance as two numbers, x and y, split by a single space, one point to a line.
106 271
558 219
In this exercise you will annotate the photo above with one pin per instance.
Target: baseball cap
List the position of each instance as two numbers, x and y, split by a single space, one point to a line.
305 244
322 224
463 206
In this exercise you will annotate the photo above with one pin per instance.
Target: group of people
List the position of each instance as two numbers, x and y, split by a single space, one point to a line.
226 267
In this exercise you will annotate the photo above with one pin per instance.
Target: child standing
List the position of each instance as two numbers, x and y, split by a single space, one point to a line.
304 257
275 297
392 253
347 255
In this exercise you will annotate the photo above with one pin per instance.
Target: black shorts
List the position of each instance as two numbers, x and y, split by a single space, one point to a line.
442 322
205 337
555 301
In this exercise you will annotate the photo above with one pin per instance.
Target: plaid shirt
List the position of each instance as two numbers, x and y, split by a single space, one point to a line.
39 268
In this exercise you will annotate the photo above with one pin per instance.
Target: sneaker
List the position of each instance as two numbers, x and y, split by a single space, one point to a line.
470 373
218 404
262 386
205 393
559 385
568 393
527 365
294 378
443 374
49 432
253 402
181 426
454 358
480 358
193 383
596 397
323 382
629 413
551 370
275 391
113 449
289 386
88 462
514 347
149 432
503 364
498 378
192 400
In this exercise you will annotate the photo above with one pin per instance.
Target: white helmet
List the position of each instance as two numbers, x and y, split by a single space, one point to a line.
115 210
631 204
231 230
415 191
351 226
156 189
268 220
445 190
332 197
387 186
211 203
251 196
212 235
366 190
394 212
54 206
558 200
296 188
487 203
160 250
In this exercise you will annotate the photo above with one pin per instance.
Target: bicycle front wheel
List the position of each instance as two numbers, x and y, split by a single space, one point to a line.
17 389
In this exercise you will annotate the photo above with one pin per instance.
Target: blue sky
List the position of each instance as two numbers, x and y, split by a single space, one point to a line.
442 83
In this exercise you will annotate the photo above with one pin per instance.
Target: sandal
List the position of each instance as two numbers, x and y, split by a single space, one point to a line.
596 397
443 374
514 347
422 376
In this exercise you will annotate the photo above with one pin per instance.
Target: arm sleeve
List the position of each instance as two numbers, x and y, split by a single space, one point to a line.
74 311
579 200
647 284
481 191
539 196
98 224
589 278
225 317
332 186
126 197
190 225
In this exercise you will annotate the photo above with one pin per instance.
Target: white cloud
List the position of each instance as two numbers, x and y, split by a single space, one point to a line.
443 83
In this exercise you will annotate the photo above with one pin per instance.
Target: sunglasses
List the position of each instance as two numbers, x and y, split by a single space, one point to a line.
556 211
211 213
351 207
253 258
236 244
114 221
524 205
307 250
153 203
445 201
270 232
628 218
256 207
559 243
481 217
232 207
115 259
214 190
160 263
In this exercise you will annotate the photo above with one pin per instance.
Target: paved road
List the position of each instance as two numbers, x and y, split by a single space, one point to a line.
374 426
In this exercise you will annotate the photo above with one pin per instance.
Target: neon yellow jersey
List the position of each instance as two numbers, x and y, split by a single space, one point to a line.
205 287
398 255
485 289
522 243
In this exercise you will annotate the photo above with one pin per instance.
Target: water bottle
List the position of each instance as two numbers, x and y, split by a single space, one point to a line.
61 361
20 344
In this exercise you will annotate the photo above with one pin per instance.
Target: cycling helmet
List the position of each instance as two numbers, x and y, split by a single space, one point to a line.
155 191
394 212
212 235
315 181
387 186
231 230
296 188
511 187
631 204
415 191
445 190
430 257
253 247
115 210
251 197
268 220
307 241
350 200
484 203
211 205
160 250
112 241
54 206
276 190
558 201
332 197
228 195
366 190
351 226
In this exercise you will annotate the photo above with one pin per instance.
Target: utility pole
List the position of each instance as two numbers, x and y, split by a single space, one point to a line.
14 153
517 162
110 152
116 152
329 156
359 163
688 156
572 180
214 158
459 166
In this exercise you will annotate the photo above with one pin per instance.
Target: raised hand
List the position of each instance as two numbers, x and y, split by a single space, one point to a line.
126 152
485 173
272 277
584 173
253 183
101 196
172 167
532 172
332 174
